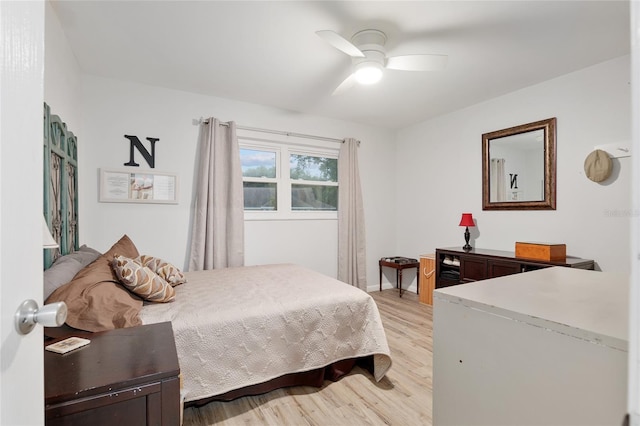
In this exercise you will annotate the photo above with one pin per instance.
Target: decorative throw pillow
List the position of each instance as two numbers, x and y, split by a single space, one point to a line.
141 280
165 270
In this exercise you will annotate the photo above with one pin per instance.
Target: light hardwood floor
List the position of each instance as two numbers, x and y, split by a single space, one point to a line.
403 397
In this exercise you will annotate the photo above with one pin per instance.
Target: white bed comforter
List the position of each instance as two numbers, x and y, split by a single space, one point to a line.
242 326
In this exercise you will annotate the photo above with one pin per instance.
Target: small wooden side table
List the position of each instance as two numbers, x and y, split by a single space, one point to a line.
127 376
399 267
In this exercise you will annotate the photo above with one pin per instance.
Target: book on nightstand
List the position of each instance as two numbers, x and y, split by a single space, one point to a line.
67 345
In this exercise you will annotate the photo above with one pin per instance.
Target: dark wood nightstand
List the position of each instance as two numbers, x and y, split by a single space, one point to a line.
127 376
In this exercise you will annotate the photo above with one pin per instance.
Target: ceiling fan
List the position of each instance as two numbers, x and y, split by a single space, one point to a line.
368 57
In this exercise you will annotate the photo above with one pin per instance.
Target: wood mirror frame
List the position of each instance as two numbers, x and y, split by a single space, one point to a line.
547 199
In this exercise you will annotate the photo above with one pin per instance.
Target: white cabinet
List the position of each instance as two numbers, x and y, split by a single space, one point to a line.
546 347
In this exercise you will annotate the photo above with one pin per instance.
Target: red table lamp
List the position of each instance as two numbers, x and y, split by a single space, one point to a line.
467 221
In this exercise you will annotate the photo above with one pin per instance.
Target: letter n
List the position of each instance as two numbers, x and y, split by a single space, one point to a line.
134 142
513 180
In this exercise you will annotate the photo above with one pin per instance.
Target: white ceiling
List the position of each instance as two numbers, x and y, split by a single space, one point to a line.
267 52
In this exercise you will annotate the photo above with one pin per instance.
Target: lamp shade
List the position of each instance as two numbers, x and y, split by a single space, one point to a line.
47 239
467 220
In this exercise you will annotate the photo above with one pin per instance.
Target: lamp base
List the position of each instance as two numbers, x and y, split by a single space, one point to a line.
467 235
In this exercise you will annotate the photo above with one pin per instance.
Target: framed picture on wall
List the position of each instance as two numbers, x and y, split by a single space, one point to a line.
139 186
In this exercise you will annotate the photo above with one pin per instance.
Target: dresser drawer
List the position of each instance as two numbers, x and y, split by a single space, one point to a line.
472 268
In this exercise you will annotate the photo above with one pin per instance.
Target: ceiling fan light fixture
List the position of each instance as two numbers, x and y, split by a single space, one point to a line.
368 72
369 58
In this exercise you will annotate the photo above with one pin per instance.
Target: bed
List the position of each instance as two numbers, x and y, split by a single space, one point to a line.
238 327
238 331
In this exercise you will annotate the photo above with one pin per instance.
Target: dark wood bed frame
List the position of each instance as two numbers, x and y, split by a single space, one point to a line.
315 378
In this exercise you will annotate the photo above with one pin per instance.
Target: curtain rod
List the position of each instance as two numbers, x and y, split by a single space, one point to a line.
275 132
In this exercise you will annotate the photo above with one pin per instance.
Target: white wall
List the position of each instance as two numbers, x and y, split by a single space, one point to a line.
113 108
101 111
434 168
439 171
62 74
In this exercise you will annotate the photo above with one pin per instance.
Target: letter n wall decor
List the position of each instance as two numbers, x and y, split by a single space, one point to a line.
134 143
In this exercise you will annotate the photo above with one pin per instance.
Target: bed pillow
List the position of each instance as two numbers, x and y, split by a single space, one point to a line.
165 270
66 267
95 299
86 254
141 280
60 272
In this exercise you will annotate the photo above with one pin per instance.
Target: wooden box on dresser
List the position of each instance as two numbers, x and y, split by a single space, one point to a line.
127 376
457 266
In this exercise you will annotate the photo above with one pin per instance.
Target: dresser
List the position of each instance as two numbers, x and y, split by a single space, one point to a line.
127 376
456 266
548 347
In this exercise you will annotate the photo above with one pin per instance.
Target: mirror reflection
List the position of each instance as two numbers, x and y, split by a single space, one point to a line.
519 167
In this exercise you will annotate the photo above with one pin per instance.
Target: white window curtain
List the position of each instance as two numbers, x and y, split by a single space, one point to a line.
217 232
498 183
351 233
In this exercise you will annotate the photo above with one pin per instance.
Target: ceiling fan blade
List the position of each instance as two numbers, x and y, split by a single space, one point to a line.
417 62
345 85
340 43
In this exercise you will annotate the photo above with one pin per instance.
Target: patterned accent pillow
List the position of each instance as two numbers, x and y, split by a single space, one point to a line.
165 270
141 280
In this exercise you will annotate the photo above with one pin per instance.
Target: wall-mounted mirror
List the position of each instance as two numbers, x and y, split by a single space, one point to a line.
519 167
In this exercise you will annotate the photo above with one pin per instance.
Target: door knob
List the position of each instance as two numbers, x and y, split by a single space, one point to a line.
28 314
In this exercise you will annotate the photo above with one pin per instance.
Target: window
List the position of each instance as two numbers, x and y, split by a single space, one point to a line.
259 170
285 180
314 182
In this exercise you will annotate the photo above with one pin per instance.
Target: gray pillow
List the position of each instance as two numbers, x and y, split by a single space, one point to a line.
86 255
66 267
61 272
